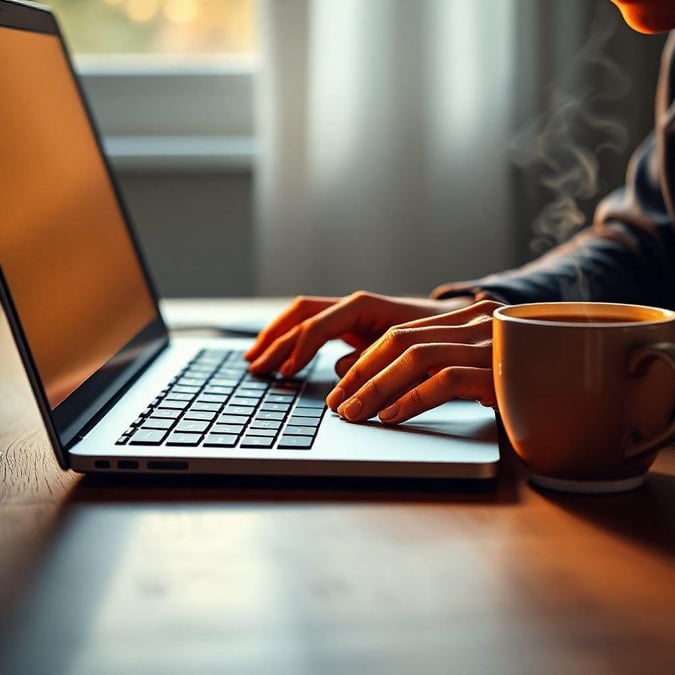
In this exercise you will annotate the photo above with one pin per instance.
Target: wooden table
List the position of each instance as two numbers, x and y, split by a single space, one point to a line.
208 576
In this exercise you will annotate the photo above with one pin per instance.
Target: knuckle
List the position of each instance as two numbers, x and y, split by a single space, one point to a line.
359 297
488 306
372 389
480 325
355 374
308 325
415 400
415 355
396 337
450 378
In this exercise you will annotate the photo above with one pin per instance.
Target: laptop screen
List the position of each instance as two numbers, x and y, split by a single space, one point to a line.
76 282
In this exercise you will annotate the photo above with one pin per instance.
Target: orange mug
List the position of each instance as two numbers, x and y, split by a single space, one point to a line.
586 391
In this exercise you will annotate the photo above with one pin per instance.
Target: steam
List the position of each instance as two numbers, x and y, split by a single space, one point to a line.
566 142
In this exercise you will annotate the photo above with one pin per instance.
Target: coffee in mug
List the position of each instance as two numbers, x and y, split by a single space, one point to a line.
586 391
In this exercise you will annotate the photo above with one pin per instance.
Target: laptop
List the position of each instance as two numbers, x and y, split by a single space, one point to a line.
116 391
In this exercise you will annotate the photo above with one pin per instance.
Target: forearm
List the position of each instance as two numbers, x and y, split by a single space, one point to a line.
591 267
627 256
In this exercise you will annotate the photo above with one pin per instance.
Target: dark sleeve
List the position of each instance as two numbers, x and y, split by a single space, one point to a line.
628 255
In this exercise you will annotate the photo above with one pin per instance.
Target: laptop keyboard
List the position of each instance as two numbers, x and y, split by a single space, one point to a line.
214 402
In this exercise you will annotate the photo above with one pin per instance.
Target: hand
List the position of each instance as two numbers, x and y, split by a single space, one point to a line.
420 364
294 337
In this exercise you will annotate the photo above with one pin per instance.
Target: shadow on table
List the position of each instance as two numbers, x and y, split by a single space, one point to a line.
645 516
274 489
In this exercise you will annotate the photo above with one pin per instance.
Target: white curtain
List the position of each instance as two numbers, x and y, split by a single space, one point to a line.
381 124
385 130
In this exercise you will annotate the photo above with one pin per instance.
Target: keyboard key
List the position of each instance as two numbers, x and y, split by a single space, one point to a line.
220 391
178 438
265 424
279 398
311 402
276 407
313 422
203 405
299 411
314 395
252 402
254 385
204 415
300 431
265 415
191 381
262 432
223 382
158 423
122 440
261 379
199 370
236 429
148 437
295 442
257 442
211 398
214 353
221 440
192 426
232 419
231 373
251 393
166 413
284 387
175 405
239 410
179 397
178 389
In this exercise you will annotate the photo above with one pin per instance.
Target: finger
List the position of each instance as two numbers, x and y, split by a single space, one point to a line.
405 373
360 313
343 364
476 327
453 382
276 354
475 313
300 309
453 346
293 351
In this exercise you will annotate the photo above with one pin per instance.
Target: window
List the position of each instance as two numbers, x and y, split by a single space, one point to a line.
158 26
170 81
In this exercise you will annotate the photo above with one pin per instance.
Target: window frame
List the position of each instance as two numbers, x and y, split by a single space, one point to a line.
158 112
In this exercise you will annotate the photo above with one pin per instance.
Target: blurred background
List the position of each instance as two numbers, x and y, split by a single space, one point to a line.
277 147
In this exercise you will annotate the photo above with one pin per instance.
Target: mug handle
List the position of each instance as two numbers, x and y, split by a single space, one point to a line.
638 361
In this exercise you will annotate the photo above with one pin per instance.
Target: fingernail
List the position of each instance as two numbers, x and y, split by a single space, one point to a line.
336 397
389 413
351 408
251 350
